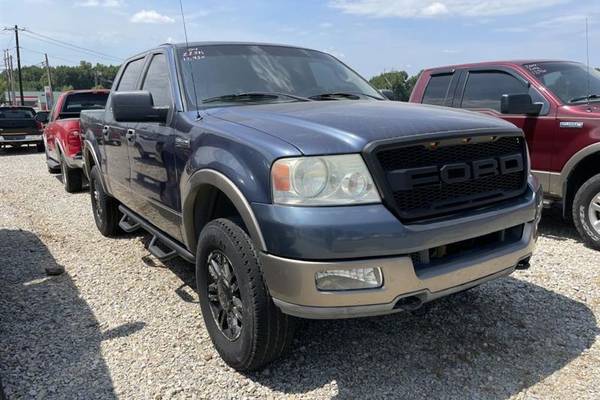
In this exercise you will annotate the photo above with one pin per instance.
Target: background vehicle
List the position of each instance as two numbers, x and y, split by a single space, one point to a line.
18 127
297 190
63 138
556 103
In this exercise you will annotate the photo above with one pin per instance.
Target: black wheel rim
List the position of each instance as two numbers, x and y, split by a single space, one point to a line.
224 295
96 200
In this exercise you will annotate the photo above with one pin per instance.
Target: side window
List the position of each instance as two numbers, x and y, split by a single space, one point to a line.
130 75
485 89
437 89
157 81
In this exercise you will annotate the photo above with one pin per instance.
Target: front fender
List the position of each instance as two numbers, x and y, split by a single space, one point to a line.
190 189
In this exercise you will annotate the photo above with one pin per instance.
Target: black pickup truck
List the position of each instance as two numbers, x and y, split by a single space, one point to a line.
19 127
298 190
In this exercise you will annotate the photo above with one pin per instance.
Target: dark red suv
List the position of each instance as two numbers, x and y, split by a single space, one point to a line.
556 103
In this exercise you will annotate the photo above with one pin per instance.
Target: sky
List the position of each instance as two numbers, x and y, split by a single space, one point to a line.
371 36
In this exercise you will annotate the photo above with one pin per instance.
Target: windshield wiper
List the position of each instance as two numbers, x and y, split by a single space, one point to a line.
344 95
589 97
252 96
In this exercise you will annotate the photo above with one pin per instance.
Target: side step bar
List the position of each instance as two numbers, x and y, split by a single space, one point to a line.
128 225
174 248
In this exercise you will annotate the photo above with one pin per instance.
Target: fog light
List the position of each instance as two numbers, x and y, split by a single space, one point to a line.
349 279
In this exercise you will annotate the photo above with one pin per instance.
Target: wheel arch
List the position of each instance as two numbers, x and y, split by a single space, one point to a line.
202 187
581 167
90 158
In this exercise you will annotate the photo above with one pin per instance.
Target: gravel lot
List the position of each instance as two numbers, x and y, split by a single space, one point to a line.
114 326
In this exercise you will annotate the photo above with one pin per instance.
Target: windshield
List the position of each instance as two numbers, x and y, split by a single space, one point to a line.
226 70
568 81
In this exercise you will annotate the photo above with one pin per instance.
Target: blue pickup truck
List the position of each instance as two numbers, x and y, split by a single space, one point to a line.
299 191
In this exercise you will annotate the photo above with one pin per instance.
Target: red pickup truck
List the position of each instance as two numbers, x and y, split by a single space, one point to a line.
63 138
556 103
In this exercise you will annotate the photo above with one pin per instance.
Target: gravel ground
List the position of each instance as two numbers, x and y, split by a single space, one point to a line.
114 326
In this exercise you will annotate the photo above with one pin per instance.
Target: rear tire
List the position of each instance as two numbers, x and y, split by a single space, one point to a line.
586 211
252 331
104 207
72 178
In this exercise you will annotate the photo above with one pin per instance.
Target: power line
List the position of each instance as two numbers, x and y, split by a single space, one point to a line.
51 55
61 43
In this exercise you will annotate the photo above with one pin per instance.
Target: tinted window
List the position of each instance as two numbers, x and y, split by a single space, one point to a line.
130 75
157 81
485 89
77 102
437 89
16 113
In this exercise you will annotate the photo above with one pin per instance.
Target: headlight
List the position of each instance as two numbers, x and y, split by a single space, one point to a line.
326 180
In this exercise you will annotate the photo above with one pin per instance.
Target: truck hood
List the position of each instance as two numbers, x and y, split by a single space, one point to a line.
335 127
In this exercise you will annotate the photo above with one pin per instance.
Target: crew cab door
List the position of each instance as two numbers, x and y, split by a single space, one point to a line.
154 182
50 130
482 91
114 136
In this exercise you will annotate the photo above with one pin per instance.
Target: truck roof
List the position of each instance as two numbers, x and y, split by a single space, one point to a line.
217 43
492 63
214 43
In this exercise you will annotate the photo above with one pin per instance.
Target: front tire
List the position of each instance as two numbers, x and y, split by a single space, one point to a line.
104 207
586 211
72 178
245 326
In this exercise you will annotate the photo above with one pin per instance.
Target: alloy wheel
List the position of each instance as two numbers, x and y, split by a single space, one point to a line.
594 213
224 295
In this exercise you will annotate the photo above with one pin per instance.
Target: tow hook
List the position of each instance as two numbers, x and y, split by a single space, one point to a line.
523 264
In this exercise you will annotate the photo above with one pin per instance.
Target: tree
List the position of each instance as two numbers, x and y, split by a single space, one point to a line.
64 77
397 81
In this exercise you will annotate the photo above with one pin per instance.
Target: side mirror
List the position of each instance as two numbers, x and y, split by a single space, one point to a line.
387 93
41 118
519 104
137 106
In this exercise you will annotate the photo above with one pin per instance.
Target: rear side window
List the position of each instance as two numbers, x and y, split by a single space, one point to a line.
437 89
130 75
485 89
157 81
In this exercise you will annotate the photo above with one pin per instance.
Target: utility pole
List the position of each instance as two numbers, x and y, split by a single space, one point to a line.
49 101
7 72
12 79
19 65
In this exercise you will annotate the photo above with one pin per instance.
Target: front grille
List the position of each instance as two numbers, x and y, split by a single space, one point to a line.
423 200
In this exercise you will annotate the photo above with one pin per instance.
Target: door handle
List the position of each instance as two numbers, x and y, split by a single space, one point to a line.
130 135
182 143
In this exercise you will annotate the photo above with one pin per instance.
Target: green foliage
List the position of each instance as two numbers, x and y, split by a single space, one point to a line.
83 76
397 81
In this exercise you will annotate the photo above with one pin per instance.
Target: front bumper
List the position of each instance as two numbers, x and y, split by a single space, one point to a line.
292 282
292 285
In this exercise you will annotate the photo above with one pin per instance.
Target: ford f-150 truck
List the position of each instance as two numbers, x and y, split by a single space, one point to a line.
299 191
62 135
556 103
19 127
